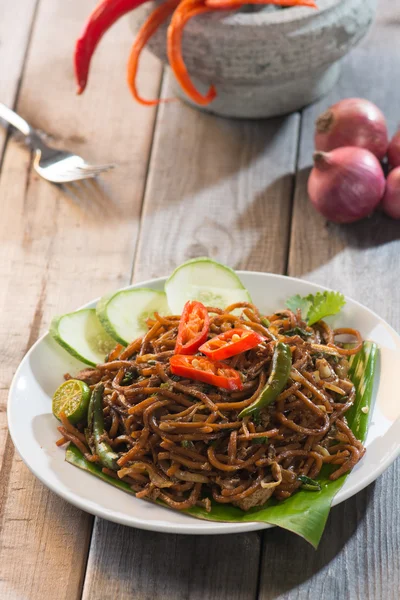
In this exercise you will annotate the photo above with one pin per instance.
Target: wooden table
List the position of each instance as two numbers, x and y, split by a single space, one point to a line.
187 184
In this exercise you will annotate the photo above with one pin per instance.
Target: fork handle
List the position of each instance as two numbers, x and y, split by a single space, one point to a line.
15 120
31 136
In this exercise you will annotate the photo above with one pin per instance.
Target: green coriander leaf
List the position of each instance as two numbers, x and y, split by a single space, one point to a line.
323 305
316 307
297 302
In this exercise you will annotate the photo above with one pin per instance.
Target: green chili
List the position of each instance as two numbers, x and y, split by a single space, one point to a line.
281 366
107 456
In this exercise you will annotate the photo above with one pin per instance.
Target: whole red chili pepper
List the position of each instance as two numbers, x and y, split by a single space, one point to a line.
101 19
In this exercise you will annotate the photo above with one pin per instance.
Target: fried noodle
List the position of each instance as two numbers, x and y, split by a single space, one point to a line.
182 441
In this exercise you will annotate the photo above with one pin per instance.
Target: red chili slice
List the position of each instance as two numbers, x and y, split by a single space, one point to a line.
193 328
207 371
230 343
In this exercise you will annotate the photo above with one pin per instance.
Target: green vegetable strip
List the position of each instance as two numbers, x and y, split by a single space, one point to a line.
281 366
305 513
96 431
362 372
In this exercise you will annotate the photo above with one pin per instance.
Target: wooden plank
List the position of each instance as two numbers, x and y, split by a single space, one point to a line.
15 26
358 555
218 188
57 252
129 563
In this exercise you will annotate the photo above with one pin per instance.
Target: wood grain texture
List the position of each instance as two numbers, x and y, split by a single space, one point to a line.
141 565
218 188
58 249
223 189
15 26
358 555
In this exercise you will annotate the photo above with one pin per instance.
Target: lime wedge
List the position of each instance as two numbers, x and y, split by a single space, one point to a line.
72 398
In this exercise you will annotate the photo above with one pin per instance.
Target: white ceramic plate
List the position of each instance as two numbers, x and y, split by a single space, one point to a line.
33 427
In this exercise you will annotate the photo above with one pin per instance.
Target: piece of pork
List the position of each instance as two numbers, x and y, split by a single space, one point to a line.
258 498
89 376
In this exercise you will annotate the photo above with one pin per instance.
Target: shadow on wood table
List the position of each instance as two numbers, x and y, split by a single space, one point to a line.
92 197
288 561
374 231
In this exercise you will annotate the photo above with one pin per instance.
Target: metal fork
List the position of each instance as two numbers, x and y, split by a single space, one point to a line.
54 165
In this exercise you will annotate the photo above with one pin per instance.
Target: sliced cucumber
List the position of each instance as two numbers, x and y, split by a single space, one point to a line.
123 314
205 280
80 333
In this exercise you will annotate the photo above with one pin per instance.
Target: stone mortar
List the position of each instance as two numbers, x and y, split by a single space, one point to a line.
265 63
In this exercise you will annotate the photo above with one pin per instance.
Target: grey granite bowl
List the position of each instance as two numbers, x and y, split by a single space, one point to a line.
267 63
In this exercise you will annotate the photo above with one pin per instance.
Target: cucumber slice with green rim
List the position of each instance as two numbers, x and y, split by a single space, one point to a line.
123 314
80 333
205 280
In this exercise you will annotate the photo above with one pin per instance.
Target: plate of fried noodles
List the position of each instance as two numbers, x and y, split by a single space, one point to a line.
220 419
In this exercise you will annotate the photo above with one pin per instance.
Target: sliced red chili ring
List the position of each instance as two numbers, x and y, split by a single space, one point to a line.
193 328
233 341
200 368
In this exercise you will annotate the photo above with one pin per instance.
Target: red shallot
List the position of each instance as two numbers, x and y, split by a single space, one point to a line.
393 152
352 122
391 199
346 184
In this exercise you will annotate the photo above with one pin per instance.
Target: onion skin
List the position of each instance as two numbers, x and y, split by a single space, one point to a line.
346 185
393 152
391 199
352 122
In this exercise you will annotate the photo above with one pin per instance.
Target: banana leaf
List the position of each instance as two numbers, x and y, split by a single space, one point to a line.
306 512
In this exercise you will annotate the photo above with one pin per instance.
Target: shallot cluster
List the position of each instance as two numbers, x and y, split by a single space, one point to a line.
347 182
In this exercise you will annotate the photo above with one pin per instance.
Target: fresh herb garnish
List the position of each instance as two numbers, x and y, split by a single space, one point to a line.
187 444
316 307
260 440
255 417
128 378
309 484
298 331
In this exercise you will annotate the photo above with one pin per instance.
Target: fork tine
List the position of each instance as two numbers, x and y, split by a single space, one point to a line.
79 175
105 167
94 172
